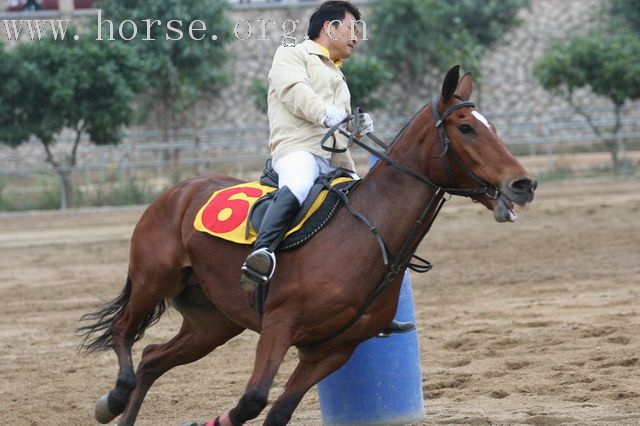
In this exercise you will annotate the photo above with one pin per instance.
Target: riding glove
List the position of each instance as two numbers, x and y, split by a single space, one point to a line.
366 124
334 115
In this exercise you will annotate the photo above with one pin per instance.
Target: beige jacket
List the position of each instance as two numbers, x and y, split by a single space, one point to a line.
303 82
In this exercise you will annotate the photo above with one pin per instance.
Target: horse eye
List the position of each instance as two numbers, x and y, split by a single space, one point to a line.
466 129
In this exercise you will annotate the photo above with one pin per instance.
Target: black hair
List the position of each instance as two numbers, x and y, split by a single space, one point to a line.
330 11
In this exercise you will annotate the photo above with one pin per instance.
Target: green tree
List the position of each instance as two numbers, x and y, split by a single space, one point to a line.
259 91
180 72
84 86
366 77
607 65
417 39
487 21
625 13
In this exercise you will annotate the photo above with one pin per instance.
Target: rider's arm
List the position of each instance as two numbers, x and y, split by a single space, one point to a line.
289 79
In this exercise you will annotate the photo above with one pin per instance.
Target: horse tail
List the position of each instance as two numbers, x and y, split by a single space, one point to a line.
98 334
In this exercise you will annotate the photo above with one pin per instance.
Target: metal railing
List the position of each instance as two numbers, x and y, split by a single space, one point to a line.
147 160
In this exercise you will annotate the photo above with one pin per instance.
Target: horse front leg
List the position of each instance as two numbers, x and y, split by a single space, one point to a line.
275 340
307 374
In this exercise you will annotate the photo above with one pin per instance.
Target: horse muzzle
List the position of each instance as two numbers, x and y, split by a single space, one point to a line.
519 191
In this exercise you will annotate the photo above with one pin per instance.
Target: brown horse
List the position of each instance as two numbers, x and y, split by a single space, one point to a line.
320 298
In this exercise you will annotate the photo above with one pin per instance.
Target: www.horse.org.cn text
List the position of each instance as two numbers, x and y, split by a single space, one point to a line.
261 29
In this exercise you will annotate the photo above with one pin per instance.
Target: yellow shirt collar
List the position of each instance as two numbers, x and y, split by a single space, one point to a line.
325 52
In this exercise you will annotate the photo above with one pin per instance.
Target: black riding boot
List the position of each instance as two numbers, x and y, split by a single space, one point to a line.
261 263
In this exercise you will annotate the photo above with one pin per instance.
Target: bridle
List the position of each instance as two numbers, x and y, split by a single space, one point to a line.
484 188
402 259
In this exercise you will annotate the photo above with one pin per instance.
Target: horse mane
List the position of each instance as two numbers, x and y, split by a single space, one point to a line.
406 125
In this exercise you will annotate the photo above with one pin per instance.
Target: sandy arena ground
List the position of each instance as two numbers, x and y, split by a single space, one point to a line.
529 323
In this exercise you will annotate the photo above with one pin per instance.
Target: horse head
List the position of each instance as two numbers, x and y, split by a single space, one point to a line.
471 159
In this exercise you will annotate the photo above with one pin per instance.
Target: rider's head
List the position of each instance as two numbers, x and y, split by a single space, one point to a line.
334 25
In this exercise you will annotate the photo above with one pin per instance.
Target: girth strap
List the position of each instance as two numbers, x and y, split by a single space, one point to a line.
401 260
347 203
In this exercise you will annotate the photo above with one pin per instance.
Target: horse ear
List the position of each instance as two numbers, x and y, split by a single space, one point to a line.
465 86
450 84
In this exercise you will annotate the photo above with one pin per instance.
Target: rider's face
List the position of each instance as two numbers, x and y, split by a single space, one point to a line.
343 36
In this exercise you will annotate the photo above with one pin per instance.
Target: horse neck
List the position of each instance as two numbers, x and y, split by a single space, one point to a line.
393 200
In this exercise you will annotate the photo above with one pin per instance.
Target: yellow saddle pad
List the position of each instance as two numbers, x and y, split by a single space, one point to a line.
226 213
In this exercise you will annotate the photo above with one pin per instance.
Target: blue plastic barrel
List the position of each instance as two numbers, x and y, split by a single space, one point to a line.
382 382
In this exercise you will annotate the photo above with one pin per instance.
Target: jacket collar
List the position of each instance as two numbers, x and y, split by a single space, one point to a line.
318 49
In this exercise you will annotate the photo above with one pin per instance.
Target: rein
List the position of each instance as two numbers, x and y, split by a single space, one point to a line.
403 257
484 188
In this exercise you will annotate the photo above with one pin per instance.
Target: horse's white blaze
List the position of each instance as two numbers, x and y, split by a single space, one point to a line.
482 118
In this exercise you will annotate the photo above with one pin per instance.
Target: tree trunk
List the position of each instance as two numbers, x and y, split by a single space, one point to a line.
165 123
175 155
66 188
63 175
609 141
618 142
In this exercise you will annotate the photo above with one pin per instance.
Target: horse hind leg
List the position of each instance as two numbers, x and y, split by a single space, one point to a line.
124 322
204 328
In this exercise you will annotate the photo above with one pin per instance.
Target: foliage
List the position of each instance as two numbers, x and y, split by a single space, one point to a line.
609 66
47 196
487 21
119 194
606 64
5 204
624 13
259 91
83 85
180 71
50 85
366 78
416 38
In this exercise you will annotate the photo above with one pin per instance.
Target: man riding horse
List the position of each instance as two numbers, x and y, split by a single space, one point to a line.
307 94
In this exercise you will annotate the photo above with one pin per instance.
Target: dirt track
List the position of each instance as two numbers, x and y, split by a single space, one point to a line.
529 323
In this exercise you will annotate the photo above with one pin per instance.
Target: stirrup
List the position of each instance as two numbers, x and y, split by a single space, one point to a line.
257 269
395 327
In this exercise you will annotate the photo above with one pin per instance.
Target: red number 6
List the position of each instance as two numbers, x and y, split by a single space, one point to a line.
239 209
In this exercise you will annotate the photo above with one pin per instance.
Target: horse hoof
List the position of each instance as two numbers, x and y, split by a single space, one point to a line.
102 413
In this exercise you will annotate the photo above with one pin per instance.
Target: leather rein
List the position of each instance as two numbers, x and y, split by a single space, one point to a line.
484 188
403 257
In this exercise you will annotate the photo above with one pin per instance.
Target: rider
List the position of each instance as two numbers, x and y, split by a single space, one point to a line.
307 94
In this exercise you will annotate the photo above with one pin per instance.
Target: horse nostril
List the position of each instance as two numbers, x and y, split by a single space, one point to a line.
523 185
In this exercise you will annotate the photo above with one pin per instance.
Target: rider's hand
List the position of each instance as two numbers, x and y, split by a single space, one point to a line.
366 124
334 115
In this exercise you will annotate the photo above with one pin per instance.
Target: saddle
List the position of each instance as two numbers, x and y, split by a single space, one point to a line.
235 213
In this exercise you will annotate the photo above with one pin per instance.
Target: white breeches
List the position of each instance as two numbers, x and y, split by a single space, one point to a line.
299 170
